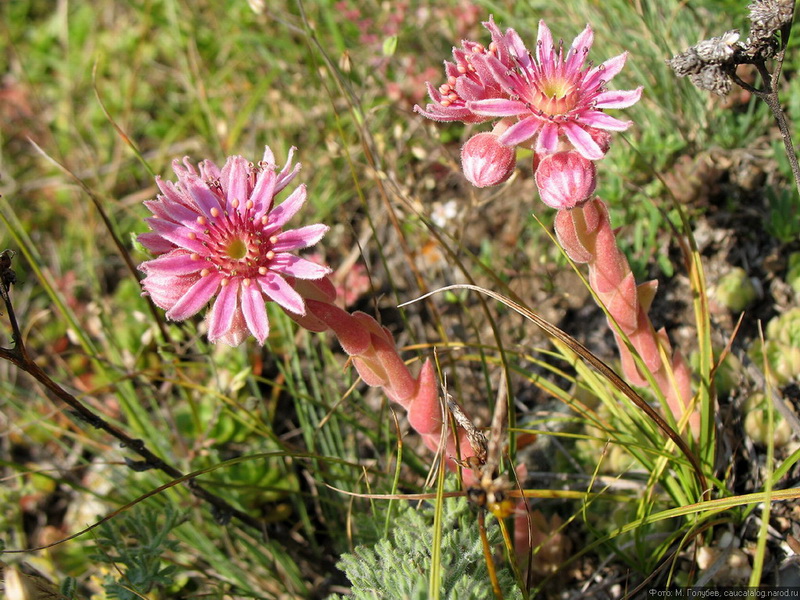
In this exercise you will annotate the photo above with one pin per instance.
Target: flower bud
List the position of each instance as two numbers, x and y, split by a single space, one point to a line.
485 161
565 180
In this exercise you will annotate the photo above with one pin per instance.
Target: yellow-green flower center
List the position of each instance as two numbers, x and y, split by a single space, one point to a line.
557 88
554 97
236 249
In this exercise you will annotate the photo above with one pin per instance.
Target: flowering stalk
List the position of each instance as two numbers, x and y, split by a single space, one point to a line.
549 101
219 237
374 354
586 235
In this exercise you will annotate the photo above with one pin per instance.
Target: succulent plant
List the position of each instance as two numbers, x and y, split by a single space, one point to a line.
781 346
793 271
735 290
756 424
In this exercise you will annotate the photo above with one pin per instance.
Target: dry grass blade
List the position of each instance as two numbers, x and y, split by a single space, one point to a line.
496 431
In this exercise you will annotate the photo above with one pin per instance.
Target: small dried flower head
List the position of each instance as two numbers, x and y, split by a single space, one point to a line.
685 63
769 16
548 96
709 62
718 50
485 161
217 232
565 180
714 51
712 78
8 276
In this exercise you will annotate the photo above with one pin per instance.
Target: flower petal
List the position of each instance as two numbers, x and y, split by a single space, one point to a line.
209 170
520 132
155 243
276 288
255 313
618 98
234 181
237 332
547 142
469 90
607 70
169 191
288 172
195 298
517 48
287 209
582 141
601 120
166 291
289 264
220 317
579 50
498 107
172 211
303 237
443 114
269 157
204 198
178 262
263 194
544 44
184 169
177 234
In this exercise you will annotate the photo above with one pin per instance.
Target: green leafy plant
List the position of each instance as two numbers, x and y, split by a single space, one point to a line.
135 545
398 566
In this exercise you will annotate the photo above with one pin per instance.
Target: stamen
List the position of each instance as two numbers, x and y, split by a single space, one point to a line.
201 220
194 256
214 212
191 235
270 255
225 281
262 270
205 273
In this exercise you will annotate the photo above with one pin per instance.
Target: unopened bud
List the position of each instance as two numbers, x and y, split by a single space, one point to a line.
565 180
486 161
